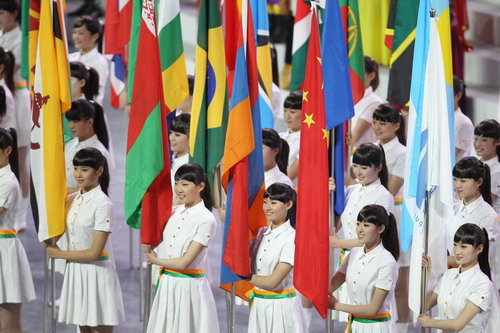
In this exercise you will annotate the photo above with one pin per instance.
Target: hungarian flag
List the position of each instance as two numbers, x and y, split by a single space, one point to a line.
243 168
402 26
311 270
301 32
173 64
209 110
148 192
51 99
350 16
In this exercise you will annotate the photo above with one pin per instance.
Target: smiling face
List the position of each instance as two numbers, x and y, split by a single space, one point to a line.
467 188
465 254
368 233
7 20
365 174
276 211
486 148
87 178
384 131
179 143
188 193
293 119
83 39
82 129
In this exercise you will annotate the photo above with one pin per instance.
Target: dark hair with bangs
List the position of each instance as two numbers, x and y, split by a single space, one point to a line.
11 6
272 139
472 234
91 23
83 109
91 77
372 155
371 66
471 167
283 193
194 173
489 128
181 123
293 100
8 60
93 158
389 113
379 216
8 138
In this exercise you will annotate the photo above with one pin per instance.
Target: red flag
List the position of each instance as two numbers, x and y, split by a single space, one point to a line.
117 28
312 230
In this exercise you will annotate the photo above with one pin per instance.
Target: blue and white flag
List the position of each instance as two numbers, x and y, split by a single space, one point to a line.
429 158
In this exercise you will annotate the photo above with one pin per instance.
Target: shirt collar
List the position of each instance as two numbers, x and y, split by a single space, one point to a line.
273 171
368 90
492 161
90 142
88 195
12 33
88 55
389 145
190 210
468 273
372 253
6 169
279 230
370 187
473 205
457 113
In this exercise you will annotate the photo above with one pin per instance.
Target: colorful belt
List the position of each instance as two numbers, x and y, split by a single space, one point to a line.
104 256
20 85
187 273
380 318
398 201
8 233
270 294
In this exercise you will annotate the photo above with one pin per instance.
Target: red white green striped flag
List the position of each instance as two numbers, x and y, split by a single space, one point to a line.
148 193
301 33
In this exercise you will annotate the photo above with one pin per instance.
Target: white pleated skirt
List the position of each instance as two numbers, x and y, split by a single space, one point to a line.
384 327
16 283
183 305
91 295
283 315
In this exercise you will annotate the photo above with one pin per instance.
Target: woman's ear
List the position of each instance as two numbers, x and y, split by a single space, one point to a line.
100 171
200 186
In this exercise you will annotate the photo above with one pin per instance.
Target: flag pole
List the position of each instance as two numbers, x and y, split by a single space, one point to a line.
329 319
231 308
131 248
141 283
46 292
147 298
423 294
53 290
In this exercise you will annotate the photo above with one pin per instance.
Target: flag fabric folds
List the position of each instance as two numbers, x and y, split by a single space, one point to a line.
148 191
312 229
243 168
117 79
429 156
301 32
173 63
209 110
51 99
25 28
373 28
350 16
402 25
261 27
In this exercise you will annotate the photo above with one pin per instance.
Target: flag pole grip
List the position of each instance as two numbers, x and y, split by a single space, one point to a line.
147 296
423 293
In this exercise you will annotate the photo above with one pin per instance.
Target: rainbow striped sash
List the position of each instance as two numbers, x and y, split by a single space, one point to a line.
8 233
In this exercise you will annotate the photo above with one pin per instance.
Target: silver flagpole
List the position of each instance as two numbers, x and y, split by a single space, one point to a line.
53 290
131 247
141 283
147 298
329 320
46 293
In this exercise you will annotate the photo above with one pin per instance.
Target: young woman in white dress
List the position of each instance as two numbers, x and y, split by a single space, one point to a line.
292 114
275 151
184 301
84 81
389 128
370 273
91 296
464 295
275 308
487 146
370 169
16 284
472 183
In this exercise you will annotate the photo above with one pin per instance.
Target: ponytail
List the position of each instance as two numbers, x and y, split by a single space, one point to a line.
8 138
485 187
84 109
81 72
483 257
3 103
93 158
282 156
272 139
100 128
7 59
379 216
472 234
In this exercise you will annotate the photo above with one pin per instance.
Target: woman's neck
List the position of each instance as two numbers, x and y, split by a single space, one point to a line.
86 137
471 198
487 158
86 50
370 246
466 267
277 224
9 28
387 140
4 164
88 188
177 155
193 203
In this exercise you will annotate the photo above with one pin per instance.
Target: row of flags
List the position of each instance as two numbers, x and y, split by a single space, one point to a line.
226 123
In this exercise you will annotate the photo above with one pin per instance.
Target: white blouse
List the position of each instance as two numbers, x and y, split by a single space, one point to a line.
455 289
9 120
88 212
477 212
366 271
74 146
197 224
10 194
276 176
364 110
293 140
495 182
277 245
357 197
12 41
176 164
98 62
395 155
464 134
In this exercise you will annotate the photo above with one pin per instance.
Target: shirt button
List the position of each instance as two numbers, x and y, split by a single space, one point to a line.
265 250
173 236
260 259
178 227
258 269
354 282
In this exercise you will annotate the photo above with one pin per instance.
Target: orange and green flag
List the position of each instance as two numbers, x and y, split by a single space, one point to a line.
209 110
51 99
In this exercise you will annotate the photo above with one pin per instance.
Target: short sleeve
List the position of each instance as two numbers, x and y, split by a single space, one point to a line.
386 277
7 193
464 134
385 199
343 267
481 295
439 285
367 114
205 231
288 253
495 183
399 167
490 223
104 217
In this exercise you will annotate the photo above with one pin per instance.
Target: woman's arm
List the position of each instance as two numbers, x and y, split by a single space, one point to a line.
272 281
431 300
457 324
337 280
395 184
337 242
2 209
90 254
293 170
359 129
368 310
177 264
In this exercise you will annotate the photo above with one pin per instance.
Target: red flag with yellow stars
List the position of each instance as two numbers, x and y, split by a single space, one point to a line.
312 228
